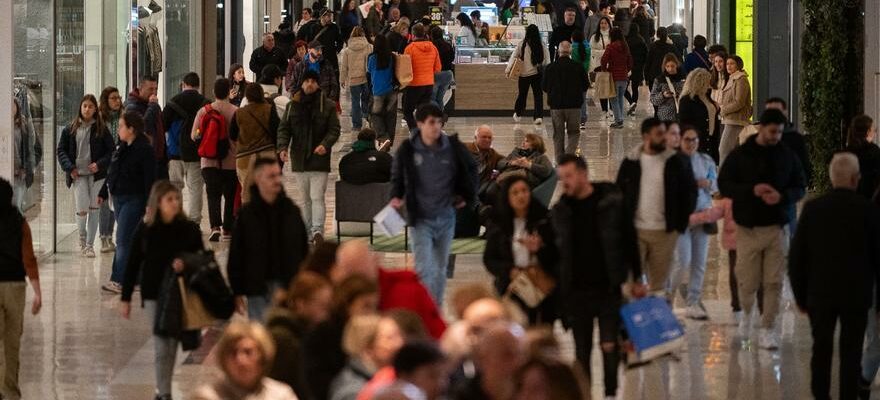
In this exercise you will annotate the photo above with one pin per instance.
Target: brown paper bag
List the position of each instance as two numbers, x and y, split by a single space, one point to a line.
403 69
605 85
195 316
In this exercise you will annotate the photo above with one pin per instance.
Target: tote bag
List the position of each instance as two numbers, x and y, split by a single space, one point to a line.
195 315
403 69
605 88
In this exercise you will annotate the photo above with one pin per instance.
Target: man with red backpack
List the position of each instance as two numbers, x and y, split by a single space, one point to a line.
211 130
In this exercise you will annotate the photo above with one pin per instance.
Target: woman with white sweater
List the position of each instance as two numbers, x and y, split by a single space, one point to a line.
599 40
533 54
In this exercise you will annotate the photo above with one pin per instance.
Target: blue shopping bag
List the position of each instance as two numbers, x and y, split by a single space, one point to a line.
652 327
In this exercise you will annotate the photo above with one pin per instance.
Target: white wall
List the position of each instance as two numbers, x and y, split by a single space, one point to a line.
94 40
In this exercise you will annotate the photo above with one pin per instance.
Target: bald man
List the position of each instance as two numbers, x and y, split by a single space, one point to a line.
565 84
834 266
499 353
398 288
487 158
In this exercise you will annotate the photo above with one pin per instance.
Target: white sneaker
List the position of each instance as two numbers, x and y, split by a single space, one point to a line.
768 339
538 121
744 327
694 311
516 117
737 317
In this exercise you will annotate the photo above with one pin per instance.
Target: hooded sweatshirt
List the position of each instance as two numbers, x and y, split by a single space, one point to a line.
425 62
353 62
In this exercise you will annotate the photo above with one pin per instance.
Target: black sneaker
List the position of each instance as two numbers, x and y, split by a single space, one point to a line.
215 236
632 109
864 389
317 239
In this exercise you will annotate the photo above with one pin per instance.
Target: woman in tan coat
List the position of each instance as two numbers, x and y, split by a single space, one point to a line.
736 106
353 75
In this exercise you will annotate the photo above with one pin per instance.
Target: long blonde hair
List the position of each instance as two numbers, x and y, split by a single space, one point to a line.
697 83
161 189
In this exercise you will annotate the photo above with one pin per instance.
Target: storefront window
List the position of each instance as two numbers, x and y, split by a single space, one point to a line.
33 89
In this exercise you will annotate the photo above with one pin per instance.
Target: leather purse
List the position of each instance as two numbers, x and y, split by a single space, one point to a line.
532 285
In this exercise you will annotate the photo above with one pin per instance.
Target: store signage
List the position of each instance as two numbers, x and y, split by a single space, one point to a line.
494 59
744 40
436 15
528 10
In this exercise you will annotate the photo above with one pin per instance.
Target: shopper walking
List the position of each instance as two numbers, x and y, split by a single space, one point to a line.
214 121
109 110
565 84
129 181
645 23
245 353
17 253
657 52
327 33
580 53
562 32
534 56
659 194
698 58
253 131
265 55
157 244
353 75
860 141
144 101
26 156
348 19
383 115
599 41
306 137
597 254
667 89
519 240
444 79
184 169
269 241
793 139
425 63
328 78
696 109
619 63
736 105
638 50
84 152
762 177
468 35
398 36
444 180
693 245
833 266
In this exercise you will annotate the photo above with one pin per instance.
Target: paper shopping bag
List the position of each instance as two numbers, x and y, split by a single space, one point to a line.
652 328
605 85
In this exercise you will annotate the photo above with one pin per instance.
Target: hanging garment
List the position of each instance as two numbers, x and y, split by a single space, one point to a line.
154 46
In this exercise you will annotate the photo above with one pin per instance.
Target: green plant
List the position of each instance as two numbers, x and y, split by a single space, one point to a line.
831 77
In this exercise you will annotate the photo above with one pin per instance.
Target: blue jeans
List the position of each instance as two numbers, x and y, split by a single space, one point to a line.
431 243
690 259
443 80
584 107
871 354
257 305
617 102
165 348
129 210
360 101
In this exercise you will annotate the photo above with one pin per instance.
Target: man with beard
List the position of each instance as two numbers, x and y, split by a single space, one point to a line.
660 194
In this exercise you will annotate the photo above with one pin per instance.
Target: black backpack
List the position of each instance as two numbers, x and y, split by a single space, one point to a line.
202 275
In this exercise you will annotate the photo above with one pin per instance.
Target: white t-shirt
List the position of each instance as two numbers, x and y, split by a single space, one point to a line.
521 255
650 213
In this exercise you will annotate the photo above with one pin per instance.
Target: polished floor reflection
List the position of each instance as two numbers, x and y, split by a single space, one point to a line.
79 347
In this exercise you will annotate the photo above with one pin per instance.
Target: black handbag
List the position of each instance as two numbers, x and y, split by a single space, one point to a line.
711 228
204 278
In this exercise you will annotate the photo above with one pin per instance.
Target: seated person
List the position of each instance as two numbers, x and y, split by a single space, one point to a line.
487 158
365 164
528 160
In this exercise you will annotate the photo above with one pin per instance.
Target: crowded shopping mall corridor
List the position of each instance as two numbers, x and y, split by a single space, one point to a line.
80 348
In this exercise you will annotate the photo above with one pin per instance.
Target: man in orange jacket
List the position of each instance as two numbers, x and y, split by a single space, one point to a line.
425 63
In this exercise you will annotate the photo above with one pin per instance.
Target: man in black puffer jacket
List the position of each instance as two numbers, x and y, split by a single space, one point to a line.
184 165
597 254
565 84
268 242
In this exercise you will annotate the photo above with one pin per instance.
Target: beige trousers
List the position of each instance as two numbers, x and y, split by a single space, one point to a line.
656 248
760 264
12 299
243 168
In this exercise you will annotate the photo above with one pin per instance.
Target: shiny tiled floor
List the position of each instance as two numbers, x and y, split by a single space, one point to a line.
79 347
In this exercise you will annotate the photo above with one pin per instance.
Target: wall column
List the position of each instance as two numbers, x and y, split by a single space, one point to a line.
6 47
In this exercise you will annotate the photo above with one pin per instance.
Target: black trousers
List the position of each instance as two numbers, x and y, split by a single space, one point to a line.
823 320
413 97
524 83
606 308
220 183
632 92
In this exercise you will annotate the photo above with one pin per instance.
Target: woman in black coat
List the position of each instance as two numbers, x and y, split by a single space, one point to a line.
84 152
129 180
860 141
519 236
163 236
696 109
656 51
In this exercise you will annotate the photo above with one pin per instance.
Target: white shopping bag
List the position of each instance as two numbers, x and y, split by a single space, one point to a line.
389 222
